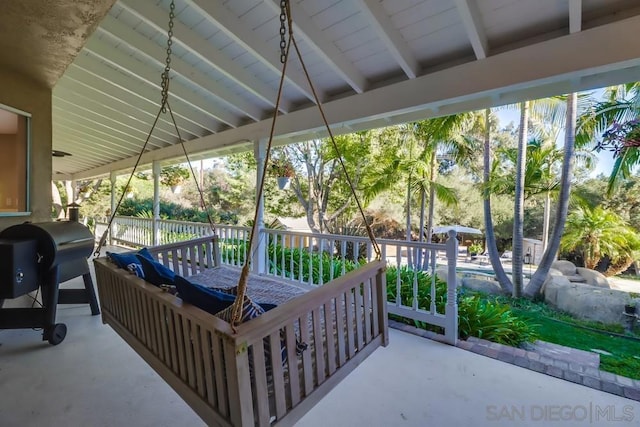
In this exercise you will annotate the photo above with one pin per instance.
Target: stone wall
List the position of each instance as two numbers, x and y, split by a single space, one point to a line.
585 301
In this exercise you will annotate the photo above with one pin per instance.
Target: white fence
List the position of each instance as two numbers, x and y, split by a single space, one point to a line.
412 289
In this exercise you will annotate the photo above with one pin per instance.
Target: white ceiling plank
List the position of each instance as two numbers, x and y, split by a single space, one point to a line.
84 156
75 144
106 143
470 15
91 73
67 89
156 18
391 37
151 78
329 52
217 12
103 131
575 16
82 153
88 141
155 53
513 72
125 127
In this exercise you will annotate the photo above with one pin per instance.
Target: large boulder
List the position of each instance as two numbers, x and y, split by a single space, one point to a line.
554 276
482 285
585 301
565 267
593 278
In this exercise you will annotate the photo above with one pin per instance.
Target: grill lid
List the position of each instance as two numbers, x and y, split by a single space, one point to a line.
57 242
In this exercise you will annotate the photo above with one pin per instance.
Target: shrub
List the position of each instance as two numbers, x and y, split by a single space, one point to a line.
477 317
407 277
475 249
491 321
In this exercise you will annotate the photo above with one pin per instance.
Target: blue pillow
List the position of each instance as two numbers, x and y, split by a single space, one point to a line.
130 261
207 299
156 273
135 268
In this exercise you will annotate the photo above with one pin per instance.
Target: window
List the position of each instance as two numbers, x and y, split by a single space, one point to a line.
14 161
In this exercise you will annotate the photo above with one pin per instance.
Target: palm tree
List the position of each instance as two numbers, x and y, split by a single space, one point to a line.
609 123
451 138
598 232
538 278
548 110
492 248
629 252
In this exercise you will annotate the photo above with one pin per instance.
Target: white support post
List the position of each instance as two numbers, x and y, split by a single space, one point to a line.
112 179
156 202
451 309
260 255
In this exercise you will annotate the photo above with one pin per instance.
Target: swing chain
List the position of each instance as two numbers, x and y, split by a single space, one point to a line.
167 68
283 31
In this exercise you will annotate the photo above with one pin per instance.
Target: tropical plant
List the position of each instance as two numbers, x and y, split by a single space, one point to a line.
493 321
597 232
537 280
548 110
423 282
613 125
451 138
492 247
475 249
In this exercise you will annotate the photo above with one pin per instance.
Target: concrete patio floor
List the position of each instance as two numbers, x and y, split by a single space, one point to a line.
94 379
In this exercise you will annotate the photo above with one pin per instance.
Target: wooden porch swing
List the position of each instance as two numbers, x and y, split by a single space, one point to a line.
269 370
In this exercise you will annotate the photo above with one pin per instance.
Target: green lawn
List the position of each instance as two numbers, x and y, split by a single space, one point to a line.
561 329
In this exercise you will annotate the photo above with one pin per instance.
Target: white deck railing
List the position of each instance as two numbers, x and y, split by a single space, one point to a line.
314 259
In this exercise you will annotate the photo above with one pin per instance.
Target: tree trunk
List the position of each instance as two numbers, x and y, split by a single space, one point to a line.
619 267
56 201
69 187
420 258
492 248
536 282
408 209
545 221
518 209
408 219
432 201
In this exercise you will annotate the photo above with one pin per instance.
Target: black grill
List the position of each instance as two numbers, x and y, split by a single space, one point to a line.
43 255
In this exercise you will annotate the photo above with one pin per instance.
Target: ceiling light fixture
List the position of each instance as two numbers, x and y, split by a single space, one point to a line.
57 153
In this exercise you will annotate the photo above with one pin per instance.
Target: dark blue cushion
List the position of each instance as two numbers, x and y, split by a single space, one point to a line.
207 299
130 261
156 273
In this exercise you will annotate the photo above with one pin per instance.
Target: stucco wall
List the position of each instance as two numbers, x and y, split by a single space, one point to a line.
23 94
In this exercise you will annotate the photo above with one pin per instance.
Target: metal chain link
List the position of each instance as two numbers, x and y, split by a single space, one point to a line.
283 31
167 68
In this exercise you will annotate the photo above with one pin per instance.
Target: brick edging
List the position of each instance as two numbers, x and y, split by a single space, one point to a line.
576 373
